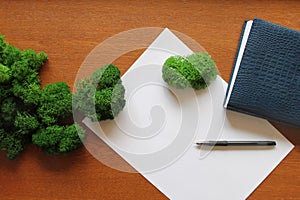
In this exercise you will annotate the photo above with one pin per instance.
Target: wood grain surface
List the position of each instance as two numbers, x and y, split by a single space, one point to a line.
68 30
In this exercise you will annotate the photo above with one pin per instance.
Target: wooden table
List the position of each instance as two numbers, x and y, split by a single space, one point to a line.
68 30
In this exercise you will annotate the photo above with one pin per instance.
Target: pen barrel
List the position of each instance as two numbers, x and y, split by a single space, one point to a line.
245 143
237 143
219 143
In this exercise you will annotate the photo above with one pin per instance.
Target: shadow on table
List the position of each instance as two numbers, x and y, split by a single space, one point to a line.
291 133
33 157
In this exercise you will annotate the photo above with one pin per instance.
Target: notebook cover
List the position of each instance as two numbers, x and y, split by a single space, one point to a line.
267 84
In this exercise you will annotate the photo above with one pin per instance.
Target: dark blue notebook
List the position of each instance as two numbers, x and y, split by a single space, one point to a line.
265 80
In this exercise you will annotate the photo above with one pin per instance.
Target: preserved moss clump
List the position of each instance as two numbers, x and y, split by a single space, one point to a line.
194 71
100 96
43 116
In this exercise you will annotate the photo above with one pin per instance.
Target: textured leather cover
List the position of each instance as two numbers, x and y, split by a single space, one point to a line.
268 81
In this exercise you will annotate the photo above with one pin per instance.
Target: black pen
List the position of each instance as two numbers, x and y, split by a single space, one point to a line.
236 143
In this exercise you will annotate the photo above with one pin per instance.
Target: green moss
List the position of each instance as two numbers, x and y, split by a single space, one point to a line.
101 96
195 71
43 116
59 139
